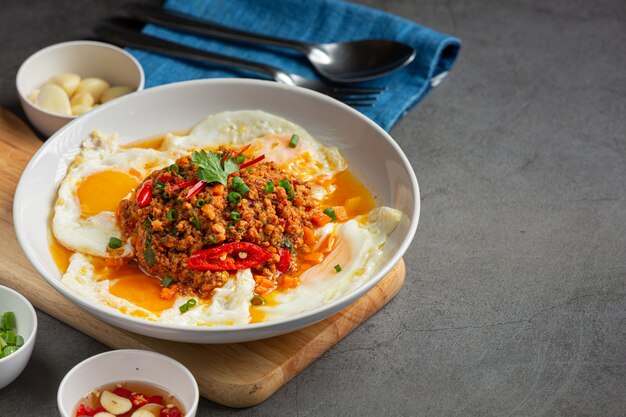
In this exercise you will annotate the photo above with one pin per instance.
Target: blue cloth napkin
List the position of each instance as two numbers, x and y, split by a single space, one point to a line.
312 20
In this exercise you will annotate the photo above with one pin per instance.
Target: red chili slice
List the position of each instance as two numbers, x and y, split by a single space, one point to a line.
242 150
285 260
244 255
195 189
252 162
155 399
84 410
180 185
122 392
225 157
144 196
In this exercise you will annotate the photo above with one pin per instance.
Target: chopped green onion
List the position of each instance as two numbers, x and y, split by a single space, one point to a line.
115 243
211 240
19 341
189 304
331 213
239 186
257 301
269 187
241 158
2 343
9 350
9 337
200 202
287 186
9 320
294 140
338 268
173 168
172 215
234 215
160 186
195 222
167 281
234 197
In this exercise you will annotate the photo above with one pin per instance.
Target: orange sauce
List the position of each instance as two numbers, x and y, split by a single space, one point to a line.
129 282
60 254
351 193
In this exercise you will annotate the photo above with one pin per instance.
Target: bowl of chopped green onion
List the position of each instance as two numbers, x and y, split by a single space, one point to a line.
18 328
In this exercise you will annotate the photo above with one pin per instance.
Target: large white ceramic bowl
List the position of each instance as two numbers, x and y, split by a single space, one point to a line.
371 153
26 319
128 365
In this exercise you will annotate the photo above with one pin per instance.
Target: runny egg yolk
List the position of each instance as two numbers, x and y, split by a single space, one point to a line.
130 283
104 190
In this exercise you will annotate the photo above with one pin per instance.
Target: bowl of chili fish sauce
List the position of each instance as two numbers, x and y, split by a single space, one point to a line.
112 382
18 329
133 399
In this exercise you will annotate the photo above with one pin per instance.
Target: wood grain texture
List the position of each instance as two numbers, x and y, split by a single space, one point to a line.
236 375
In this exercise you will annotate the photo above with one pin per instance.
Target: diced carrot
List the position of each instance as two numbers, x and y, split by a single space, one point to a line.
259 279
320 219
315 257
290 282
340 213
309 236
167 293
218 189
114 261
265 286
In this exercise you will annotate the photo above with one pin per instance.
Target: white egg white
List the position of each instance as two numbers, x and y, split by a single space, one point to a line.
358 251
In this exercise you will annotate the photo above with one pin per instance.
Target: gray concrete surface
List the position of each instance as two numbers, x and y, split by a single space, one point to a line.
515 300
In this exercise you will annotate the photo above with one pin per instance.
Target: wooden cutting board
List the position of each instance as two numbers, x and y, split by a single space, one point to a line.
235 375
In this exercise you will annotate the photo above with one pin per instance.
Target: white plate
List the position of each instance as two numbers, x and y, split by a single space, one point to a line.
371 154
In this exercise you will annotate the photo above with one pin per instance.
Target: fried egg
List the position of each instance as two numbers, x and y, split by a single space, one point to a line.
100 176
267 134
358 251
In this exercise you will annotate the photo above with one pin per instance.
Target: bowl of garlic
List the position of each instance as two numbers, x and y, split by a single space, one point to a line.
63 81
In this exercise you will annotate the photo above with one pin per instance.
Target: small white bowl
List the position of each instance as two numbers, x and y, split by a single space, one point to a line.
85 58
128 365
26 318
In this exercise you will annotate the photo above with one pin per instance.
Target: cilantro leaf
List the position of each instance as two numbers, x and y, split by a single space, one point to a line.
211 169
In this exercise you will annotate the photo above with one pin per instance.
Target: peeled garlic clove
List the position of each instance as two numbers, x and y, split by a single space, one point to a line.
80 109
83 98
153 409
95 86
33 96
54 99
68 82
103 414
146 413
115 92
115 404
